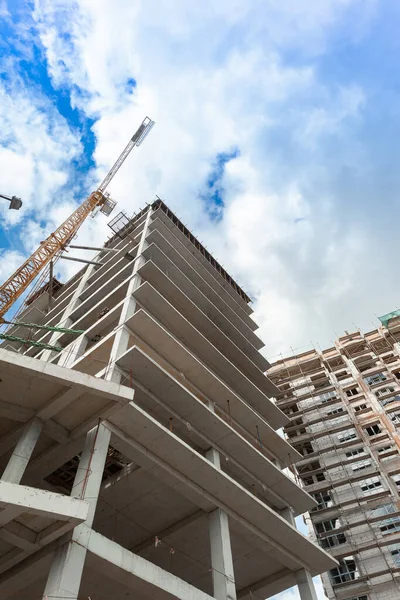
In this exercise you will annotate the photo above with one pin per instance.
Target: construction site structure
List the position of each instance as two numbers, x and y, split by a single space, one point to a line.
138 440
344 407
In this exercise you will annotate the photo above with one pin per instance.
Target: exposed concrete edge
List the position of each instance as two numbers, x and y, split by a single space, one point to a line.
21 498
135 571
67 377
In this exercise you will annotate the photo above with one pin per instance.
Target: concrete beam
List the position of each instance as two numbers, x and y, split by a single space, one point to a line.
169 530
21 498
60 402
137 573
14 412
51 428
268 586
23 541
26 572
18 535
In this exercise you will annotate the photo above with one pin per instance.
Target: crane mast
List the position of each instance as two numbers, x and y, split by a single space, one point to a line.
27 272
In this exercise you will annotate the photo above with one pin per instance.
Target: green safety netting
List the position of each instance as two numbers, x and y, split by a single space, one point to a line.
386 318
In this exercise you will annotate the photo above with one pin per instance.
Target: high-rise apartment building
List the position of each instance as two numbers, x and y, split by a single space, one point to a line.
344 406
138 443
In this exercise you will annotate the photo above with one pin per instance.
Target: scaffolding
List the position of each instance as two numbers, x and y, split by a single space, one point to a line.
313 371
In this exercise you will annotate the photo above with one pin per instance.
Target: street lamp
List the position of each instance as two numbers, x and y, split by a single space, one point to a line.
15 202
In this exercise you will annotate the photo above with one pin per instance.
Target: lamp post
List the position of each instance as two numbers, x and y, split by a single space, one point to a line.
15 203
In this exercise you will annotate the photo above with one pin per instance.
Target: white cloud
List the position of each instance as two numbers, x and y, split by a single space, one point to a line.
215 76
37 146
9 261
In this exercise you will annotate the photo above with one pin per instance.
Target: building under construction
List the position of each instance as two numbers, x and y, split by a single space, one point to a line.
138 440
344 406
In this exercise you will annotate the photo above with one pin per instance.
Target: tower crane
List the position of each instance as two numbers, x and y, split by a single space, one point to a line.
99 199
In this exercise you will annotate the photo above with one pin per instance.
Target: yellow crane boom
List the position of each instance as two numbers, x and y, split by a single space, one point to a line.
26 273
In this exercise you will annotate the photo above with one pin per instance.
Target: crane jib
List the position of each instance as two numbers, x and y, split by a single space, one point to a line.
19 281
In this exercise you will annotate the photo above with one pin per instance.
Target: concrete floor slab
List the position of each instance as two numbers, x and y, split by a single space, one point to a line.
152 300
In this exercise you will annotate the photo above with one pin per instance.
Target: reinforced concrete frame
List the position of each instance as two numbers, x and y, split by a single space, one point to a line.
168 373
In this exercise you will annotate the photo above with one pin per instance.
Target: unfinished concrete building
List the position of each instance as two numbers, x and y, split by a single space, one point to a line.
344 406
138 442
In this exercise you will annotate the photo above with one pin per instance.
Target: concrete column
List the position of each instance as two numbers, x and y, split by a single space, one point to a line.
305 585
221 552
66 569
19 459
75 351
121 340
287 514
304 580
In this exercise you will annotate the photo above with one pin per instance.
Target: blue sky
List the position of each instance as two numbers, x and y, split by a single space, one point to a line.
289 111
276 141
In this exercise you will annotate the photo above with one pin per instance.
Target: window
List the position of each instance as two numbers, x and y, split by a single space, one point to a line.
332 540
329 525
311 466
395 418
373 429
324 500
371 485
396 479
384 449
352 392
360 407
373 379
327 397
390 525
389 400
358 598
346 436
346 571
362 464
307 475
385 509
395 552
335 411
305 449
356 452
383 391
396 374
